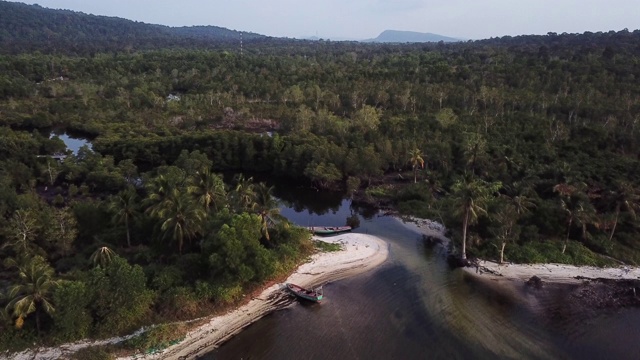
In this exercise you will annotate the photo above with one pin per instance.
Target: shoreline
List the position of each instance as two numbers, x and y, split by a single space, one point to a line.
359 253
547 272
552 273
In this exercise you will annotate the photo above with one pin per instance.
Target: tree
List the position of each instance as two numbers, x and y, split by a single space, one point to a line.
23 228
208 189
471 196
124 206
32 293
119 296
102 256
507 218
63 231
576 205
267 207
415 158
243 193
624 197
367 118
181 218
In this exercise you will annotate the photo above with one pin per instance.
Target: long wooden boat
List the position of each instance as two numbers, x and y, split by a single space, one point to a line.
329 230
311 295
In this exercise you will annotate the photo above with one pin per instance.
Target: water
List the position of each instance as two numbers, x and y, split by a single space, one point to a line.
73 143
415 307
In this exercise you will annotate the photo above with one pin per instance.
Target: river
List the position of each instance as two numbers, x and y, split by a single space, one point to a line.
415 307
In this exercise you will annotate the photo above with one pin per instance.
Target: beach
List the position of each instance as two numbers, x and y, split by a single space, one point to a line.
360 253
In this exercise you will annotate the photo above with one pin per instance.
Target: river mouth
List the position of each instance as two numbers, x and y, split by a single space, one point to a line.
414 305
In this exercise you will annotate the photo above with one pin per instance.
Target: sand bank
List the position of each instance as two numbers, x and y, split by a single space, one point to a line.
559 273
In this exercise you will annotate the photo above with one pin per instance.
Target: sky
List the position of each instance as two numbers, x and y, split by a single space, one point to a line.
363 19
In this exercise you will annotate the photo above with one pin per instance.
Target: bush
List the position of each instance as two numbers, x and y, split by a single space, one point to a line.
157 338
93 353
72 320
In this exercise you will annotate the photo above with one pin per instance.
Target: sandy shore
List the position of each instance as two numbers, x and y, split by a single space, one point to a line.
559 273
360 253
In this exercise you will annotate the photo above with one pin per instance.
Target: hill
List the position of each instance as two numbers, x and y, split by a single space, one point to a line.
26 28
396 36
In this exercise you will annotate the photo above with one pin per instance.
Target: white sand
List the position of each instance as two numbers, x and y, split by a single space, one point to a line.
360 253
558 273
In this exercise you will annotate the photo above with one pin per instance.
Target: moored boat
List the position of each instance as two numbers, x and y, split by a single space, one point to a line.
329 230
311 295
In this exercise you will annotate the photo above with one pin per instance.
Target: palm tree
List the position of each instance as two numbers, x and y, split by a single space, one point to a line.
507 218
125 209
32 293
244 193
267 207
625 197
102 257
415 158
471 197
182 219
577 208
208 188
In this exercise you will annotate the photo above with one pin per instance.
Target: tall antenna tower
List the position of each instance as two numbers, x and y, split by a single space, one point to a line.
241 50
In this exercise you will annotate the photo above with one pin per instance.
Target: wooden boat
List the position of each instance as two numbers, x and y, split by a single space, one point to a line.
329 230
306 294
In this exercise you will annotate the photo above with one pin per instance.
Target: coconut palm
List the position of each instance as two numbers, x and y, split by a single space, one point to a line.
507 218
124 206
471 195
243 193
576 206
415 158
208 189
102 257
267 207
624 197
181 217
32 293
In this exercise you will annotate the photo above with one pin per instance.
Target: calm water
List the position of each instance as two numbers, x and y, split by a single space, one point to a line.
415 307
73 144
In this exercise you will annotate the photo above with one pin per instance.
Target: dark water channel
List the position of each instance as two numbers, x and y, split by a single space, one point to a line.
415 307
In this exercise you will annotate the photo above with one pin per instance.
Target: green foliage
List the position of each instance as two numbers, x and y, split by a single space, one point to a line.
327 247
120 299
72 319
93 353
158 337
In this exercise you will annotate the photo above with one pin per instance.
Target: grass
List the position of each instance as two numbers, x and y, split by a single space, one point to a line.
327 247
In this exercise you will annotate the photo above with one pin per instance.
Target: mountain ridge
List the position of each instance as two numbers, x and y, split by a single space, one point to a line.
401 36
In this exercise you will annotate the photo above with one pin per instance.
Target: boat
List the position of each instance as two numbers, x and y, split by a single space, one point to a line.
306 294
329 230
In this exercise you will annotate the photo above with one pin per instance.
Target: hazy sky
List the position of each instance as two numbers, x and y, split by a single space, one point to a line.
471 19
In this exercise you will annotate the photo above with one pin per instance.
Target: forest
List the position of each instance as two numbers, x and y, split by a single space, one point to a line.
526 148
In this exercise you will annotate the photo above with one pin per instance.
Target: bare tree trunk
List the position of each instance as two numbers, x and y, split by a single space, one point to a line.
615 224
566 240
504 244
464 233
126 224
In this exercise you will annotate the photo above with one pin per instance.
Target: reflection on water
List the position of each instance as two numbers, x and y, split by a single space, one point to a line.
415 307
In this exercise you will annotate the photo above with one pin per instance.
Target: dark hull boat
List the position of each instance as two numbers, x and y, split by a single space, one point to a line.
306 294
329 230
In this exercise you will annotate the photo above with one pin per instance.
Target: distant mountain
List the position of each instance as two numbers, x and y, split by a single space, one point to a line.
31 27
396 36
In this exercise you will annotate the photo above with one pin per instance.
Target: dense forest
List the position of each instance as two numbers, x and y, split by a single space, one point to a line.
526 148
